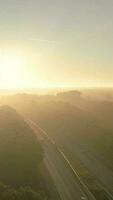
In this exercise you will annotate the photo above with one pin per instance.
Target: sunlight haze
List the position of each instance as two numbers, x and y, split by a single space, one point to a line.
60 43
56 99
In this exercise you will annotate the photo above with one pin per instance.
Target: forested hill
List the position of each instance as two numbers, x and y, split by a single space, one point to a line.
20 152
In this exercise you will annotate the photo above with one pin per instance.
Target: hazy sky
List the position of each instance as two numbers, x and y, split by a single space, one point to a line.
64 42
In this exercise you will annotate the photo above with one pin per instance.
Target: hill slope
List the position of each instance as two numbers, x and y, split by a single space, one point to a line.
20 153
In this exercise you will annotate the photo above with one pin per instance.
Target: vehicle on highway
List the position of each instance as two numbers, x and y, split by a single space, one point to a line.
83 198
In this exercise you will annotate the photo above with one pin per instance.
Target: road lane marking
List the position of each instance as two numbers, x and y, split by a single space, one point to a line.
76 174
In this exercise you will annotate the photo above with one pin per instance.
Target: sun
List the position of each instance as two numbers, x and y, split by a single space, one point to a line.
12 66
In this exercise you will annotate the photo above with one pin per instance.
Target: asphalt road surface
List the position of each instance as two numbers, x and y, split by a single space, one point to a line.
101 172
67 181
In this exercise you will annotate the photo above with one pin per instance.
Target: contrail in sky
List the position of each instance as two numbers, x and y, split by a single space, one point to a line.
33 39
42 40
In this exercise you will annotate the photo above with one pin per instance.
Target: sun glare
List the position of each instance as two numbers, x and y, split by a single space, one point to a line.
11 69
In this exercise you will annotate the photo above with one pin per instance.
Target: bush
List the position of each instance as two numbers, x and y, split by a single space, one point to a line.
23 193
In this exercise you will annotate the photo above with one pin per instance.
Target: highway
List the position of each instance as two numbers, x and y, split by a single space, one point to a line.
65 177
101 172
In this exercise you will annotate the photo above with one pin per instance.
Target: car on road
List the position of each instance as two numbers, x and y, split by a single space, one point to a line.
83 198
